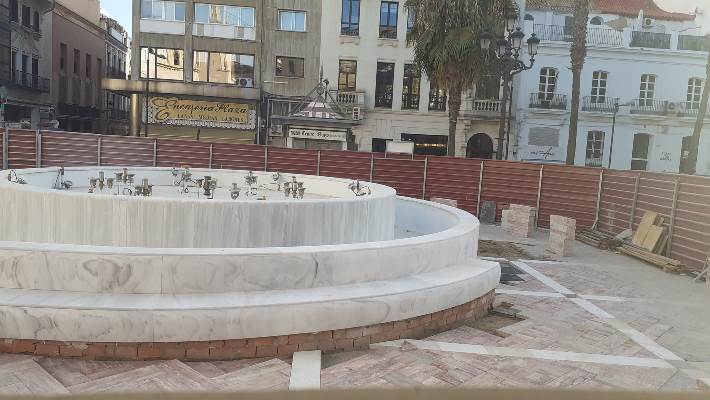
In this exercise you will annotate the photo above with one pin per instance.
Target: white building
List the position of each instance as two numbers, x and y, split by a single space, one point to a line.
364 53
646 59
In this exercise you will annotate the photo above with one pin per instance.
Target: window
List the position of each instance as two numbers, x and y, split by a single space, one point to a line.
13 63
388 19
62 57
599 84
88 65
695 91
77 60
290 67
294 21
596 21
165 64
529 17
647 91
595 148
384 84
224 15
548 84
379 145
639 154
14 16
488 88
36 22
163 10
427 145
233 69
411 19
437 98
347 76
26 16
350 18
410 87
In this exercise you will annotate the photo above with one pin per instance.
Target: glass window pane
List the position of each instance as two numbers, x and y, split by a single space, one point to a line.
216 14
286 20
179 11
169 11
146 9
221 68
247 17
202 13
200 61
345 15
300 22
231 16
158 10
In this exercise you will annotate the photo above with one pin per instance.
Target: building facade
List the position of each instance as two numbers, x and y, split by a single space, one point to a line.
116 105
78 48
26 48
240 52
649 62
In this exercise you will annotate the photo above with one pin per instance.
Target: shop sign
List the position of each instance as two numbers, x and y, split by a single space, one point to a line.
208 114
298 133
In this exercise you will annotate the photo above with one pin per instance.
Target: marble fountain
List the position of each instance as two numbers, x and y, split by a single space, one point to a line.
149 263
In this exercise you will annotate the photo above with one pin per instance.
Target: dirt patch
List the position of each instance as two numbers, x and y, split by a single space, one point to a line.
507 250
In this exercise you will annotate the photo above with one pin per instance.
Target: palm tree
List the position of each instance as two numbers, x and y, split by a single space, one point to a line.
578 53
695 141
445 37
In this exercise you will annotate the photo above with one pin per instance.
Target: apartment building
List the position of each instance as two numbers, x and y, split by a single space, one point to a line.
649 62
241 52
78 49
25 47
116 104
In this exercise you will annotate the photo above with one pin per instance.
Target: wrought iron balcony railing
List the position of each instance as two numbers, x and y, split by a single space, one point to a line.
486 106
651 40
600 104
595 36
437 102
30 81
388 32
548 101
653 107
410 101
383 100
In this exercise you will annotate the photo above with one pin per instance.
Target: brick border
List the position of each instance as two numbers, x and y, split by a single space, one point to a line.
331 341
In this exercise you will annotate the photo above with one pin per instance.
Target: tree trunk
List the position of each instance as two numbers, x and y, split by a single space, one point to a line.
578 52
454 110
699 123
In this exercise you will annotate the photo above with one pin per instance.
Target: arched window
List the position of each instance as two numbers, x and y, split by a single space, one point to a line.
596 21
529 17
695 91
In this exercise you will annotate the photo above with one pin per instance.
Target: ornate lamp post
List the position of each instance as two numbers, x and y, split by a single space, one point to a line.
508 53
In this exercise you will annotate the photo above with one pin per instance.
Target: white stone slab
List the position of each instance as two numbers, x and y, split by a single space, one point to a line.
305 370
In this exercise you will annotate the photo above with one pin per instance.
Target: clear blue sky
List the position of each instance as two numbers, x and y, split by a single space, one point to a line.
120 10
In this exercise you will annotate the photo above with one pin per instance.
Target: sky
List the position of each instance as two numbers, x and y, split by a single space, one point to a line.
120 10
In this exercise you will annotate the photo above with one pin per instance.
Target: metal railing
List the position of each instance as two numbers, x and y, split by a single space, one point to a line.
410 101
651 40
115 73
119 115
694 43
691 109
388 32
593 162
652 107
383 100
486 106
602 104
553 33
548 101
347 29
595 35
437 103
350 98
30 81
605 36
73 110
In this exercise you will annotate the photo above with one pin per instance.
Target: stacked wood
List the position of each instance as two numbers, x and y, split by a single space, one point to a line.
667 264
598 239
651 234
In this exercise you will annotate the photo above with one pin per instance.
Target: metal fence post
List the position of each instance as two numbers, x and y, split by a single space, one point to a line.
599 199
539 197
632 217
209 162
372 166
671 226
426 169
480 190
38 149
266 158
155 152
98 152
318 165
5 151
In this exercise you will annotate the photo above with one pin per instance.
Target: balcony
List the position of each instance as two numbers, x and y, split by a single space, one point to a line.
693 43
29 81
347 29
653 107
595 35
548 101
437 102
410 101
115 73
383 100
593 162
651 40
349 98
77 111
599 104
388 32
486 107
688 109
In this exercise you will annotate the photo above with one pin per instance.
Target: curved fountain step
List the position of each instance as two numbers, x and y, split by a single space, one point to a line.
91 317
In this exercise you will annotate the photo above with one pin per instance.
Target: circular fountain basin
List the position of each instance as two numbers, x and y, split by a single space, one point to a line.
140 302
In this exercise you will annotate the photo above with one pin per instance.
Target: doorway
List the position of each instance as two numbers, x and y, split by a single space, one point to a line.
479 145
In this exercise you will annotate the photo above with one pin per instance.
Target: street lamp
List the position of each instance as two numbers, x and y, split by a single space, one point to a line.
613 131
508 53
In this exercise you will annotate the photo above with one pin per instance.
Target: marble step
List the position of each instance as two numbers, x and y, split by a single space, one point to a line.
95 317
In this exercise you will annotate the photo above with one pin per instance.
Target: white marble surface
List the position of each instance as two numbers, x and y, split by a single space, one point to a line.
73 316
36 213
451 237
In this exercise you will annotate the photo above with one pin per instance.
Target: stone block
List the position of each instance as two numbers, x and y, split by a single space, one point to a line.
488 212
446 202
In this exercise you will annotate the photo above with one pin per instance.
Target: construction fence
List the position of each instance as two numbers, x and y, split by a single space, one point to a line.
608 199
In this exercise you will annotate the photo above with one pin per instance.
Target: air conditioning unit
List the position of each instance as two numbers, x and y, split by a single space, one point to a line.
357 114
671 108
245 82
648 22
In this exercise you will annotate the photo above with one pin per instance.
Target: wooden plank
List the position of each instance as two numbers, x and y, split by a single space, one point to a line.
648 220
653 237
